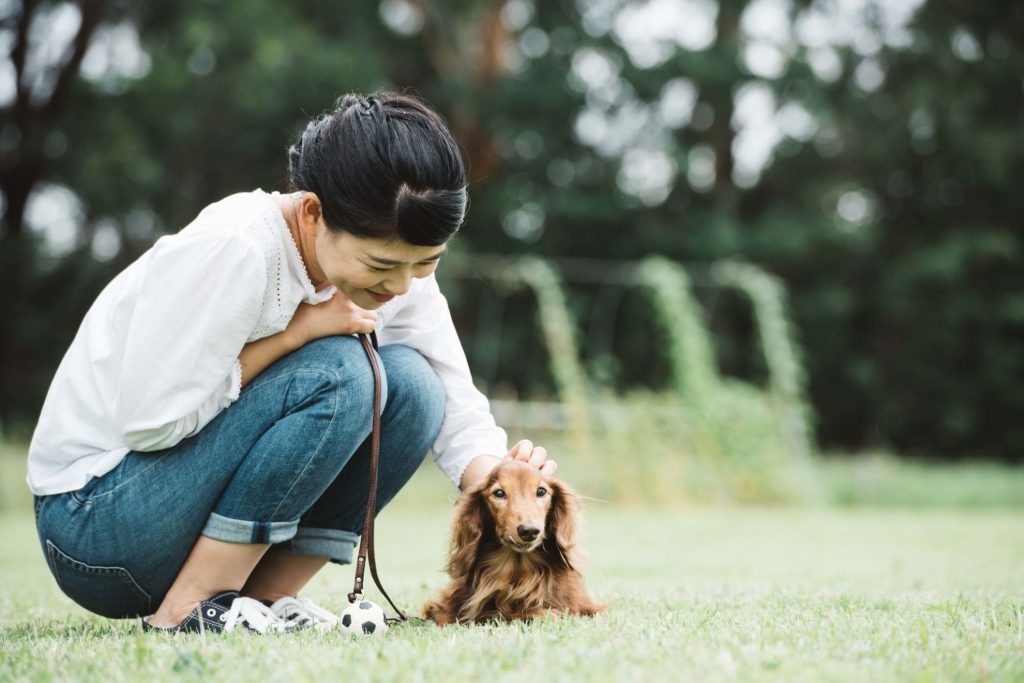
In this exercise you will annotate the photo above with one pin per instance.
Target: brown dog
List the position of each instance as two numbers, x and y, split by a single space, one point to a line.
513 552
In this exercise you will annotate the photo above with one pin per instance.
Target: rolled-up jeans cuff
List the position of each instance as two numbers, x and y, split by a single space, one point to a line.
336 545
231 530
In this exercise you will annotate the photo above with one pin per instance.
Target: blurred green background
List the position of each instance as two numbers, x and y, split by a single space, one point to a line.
709 240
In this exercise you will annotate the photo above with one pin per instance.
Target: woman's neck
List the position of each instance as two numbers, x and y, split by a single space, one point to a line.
289 206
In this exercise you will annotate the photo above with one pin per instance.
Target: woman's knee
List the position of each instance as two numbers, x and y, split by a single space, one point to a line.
414 386
338 361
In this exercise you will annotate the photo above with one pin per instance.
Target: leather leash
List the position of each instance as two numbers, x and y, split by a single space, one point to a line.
366 541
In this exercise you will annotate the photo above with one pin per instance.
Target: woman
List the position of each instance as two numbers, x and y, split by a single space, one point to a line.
203 448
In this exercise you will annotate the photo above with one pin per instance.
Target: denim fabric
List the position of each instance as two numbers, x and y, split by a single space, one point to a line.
288 462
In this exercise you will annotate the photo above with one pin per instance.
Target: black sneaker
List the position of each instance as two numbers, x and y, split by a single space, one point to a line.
225 612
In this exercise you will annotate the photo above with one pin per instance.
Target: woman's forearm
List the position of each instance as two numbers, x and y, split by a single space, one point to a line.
259 355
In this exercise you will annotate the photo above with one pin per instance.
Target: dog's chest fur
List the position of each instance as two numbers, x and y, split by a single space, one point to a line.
512 583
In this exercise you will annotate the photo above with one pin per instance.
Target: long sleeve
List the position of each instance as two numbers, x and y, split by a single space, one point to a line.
424 323
198 302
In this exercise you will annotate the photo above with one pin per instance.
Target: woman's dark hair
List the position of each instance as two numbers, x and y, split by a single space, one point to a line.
383 166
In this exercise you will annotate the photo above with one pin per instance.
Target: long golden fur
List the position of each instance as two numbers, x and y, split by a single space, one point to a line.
514 553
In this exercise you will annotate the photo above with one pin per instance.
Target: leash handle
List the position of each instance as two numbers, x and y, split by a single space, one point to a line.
366 554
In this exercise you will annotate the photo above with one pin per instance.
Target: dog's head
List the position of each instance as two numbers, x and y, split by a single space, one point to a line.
519 508
519 499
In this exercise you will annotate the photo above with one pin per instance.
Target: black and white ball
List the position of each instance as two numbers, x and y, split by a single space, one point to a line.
363 618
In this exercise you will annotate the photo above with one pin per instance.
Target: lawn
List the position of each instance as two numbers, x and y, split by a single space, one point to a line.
852 592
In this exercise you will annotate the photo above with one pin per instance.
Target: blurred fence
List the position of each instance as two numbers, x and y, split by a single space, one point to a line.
706 436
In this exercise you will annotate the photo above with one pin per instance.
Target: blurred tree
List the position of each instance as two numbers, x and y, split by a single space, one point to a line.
42 68
868 153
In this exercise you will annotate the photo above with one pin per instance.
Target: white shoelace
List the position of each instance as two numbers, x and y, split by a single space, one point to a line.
253 614
303 612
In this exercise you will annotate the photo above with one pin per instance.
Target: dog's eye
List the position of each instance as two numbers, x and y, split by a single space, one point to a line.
498 493
541 492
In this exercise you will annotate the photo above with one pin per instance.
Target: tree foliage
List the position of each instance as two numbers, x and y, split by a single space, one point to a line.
888 205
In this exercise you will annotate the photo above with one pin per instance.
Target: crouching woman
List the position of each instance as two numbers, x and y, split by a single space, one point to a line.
203 449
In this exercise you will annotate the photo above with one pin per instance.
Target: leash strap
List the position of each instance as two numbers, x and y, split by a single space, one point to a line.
366 541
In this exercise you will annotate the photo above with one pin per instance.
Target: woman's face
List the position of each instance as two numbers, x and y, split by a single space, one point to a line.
371 272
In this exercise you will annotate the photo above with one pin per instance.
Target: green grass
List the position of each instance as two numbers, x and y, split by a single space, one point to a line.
696 594
880 479
871 590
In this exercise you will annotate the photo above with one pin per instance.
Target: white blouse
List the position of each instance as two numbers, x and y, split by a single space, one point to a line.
156 357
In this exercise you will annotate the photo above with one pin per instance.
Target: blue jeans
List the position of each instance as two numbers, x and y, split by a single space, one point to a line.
287 463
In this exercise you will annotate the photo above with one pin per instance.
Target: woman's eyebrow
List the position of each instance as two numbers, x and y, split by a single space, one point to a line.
393 262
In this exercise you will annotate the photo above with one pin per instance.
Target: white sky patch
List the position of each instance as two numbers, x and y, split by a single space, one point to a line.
965 46
700 168
647 174
767 20
757 133
115 54
843 23
517 14
869 75
594 68
767 37
596 74
106 239
825 63
55 213
534 42
8 87
591 126
142 224
764 59
401 16
796 122
616 124
650 32
611 133
598 15
676 103
49 37
610 94
922 131
855 208
525 223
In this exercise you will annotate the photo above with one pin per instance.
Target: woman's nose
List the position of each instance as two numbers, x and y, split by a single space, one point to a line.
399 283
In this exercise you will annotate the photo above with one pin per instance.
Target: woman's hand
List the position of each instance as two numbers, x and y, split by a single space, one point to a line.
536 456
525 451
336 316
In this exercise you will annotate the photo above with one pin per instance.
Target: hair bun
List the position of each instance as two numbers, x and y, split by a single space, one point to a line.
383 166
416 209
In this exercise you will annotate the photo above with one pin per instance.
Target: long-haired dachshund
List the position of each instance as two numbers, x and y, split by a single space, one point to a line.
513 551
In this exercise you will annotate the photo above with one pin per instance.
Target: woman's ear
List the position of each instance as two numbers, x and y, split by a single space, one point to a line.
471 515
561 521
310 213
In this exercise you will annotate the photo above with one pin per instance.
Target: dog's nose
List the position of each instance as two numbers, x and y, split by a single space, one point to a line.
527 532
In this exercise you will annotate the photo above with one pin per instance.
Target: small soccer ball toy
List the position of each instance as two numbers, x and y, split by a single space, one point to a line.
363 617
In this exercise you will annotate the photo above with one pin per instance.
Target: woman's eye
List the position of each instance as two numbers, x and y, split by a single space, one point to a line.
541 492
379 270
499 493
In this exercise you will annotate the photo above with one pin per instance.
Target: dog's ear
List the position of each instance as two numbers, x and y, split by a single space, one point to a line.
471 516
562 521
